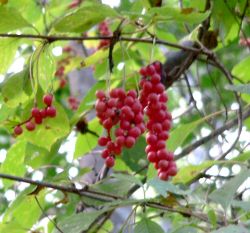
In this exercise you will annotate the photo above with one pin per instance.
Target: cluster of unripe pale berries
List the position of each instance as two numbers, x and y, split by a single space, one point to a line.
128 111
123 112
154 99
37 115
104 31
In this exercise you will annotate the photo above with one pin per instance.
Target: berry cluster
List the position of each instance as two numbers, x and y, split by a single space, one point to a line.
37 115
123 112
73 103
104 31
68 52
153 100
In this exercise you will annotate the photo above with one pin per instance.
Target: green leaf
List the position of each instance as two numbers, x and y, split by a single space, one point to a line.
77 223
242 69
163 187
127 177
14 162
244 205
212 217
185 229
242 88
232 229
225 194
135 157
180 134
186 174
147 226
87 102
87 142
11 20
44 67
8 48
84 18
113 185
23 212
177 15
50 130
13 89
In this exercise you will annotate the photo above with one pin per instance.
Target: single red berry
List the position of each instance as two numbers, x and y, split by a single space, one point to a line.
161 144
107 124
114 93
30 126
151 139
172 171
38 120
105 154
100 106
163 176
163 164
102 141
48 99
129 142
18 130
35 112
100 94
43 113
132 93
120 140
51 111
110 161
152 157
134 132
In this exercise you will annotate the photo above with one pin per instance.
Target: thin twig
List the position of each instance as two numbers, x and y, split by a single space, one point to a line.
47 216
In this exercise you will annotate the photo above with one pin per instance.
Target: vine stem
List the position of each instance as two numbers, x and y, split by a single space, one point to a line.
54 38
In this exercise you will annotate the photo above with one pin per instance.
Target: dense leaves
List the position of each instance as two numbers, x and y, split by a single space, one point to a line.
69 49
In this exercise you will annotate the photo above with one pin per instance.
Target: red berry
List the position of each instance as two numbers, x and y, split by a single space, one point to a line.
105 154
100 106
110 161
119 132
121 93
156 78
47 99
43 113
152 157
163 175
120 140
129 142
134 132
163 164
113 93
102 141
38 120
30 126
151 139
18 130
35 112
161 144
100 94
107 124
162 154
51 111
132 93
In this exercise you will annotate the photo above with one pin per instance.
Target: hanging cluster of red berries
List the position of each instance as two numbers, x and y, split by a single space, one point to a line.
37 115
154 99
122 111
126 111
104 31
70 52
73 103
